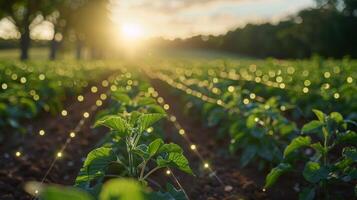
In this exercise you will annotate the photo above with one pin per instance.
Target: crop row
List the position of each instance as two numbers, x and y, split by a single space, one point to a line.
130 154
261 109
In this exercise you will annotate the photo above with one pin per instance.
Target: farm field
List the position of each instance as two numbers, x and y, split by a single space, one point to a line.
179 128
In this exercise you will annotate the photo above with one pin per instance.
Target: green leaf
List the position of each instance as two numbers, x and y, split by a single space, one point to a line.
95 165
172 194
248 155
250 123
318 148
142 151
170 148
314 173
147 120
275 173
297 143
60 193
337 117
307 194
155 146
177 160
350 152
123 189
113 122
144 101
311 126
319 114
348 137
121 97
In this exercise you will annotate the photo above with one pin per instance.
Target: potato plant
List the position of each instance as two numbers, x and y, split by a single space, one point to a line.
317 147
133 160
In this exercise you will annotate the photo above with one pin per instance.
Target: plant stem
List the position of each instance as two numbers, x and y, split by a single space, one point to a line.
150 172
143 169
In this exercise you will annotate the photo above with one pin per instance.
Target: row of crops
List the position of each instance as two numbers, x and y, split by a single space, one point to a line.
287 119
29 89
281 117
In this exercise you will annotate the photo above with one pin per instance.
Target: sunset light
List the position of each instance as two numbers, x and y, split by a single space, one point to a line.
131 31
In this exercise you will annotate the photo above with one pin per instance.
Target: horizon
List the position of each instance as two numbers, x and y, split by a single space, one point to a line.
181 19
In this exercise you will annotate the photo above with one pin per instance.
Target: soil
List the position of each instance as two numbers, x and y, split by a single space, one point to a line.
38 152
235 183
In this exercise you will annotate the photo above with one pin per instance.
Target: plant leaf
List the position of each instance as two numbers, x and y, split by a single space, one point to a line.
319 114
350 152
172 193
311 126
95 165
60 193
155 146
123 189
275 173
307 194
113 122
248 154
121 97
177 160
313 172
319 148
147 120
297 143
170 148
142 150
337 117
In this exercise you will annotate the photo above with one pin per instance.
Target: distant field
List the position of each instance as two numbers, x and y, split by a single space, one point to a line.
37 53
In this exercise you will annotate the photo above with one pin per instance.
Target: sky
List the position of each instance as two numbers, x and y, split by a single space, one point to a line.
183 18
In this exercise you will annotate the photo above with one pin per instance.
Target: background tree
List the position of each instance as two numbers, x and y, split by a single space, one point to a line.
22 14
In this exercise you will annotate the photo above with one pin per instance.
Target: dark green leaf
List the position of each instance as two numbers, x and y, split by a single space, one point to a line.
314 173
275 173
297 143
171 194
350 152
95 165
307 194
247 155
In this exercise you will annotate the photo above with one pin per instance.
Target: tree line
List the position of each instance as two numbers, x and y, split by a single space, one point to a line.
82 22
329 30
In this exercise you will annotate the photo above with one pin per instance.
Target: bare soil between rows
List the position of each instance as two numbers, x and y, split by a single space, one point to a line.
236 183
38 152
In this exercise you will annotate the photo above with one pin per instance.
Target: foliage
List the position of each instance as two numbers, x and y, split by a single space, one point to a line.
321 169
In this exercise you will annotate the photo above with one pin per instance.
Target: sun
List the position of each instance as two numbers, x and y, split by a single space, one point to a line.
131 31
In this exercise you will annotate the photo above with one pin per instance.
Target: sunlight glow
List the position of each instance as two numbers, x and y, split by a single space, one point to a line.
132 31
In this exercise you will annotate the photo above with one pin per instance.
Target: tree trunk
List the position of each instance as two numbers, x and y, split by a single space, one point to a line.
25 42
53 48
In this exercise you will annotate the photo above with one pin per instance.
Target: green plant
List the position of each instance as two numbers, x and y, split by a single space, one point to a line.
326 166
262 135
129 157
117 188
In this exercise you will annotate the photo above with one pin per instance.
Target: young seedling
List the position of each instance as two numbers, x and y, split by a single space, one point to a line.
131 161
